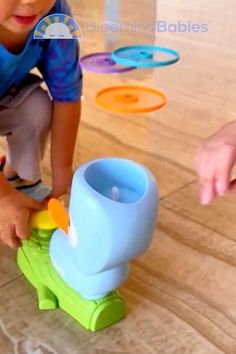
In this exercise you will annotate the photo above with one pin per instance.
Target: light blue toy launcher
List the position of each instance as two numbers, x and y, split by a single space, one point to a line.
112 217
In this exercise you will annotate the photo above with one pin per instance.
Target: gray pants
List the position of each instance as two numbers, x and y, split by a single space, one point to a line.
25 121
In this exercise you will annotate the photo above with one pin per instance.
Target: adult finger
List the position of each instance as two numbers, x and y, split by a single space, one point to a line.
206 179
224 163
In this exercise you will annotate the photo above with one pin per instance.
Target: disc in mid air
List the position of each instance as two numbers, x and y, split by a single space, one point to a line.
145 56
102 63
130 99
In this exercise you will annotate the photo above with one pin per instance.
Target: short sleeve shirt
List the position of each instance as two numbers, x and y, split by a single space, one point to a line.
56 59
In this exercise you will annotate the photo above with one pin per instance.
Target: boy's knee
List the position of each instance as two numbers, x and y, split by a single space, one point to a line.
36 111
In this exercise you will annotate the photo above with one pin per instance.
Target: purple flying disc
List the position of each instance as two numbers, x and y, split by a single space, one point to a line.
103 63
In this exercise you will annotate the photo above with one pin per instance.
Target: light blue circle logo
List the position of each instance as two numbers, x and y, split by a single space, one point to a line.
58 26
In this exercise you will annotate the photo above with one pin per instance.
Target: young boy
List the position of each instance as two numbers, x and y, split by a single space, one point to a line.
215 160
27 114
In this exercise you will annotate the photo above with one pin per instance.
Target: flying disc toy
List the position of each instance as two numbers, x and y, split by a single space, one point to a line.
145 56
102 63
130 99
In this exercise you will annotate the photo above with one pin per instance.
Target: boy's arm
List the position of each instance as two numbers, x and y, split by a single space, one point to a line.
66 119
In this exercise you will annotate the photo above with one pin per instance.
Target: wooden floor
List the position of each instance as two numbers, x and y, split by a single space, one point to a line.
181 295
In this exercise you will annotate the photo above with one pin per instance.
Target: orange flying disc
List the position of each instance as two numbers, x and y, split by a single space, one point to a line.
131 99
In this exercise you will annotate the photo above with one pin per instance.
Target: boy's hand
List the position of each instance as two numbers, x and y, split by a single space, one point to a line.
62 179
15 209
215 160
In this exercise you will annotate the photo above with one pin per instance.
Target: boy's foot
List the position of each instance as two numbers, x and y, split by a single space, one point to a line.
16 181
35 189
22 184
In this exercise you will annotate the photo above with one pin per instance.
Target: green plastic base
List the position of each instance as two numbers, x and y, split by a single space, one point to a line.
34 261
